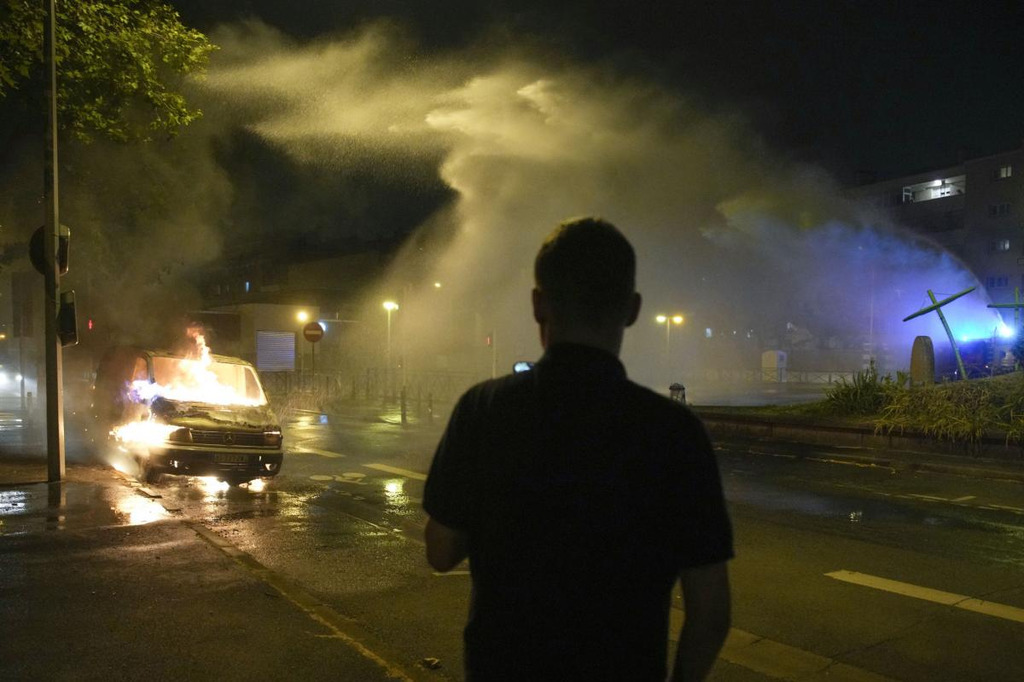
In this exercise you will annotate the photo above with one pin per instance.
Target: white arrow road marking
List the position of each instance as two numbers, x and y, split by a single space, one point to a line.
959 601
415 475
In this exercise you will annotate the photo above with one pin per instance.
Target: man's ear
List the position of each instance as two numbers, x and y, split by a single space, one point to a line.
634 308
540 307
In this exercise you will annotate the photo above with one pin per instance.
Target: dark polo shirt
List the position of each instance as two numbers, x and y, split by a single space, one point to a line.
582 494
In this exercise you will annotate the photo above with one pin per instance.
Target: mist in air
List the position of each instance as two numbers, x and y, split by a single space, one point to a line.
754 250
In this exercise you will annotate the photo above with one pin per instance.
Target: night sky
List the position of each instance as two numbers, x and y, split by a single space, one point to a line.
859 87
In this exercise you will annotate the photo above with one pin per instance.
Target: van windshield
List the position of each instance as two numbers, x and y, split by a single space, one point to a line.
217 383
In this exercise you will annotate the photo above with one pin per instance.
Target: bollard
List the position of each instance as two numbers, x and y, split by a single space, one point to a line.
677 392
402 398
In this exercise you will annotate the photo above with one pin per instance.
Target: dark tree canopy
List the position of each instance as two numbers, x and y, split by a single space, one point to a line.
120 66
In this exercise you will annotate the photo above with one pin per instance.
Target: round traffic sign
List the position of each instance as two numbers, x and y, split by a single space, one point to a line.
313 332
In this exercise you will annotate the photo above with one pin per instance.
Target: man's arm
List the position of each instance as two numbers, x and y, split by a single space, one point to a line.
446 547
707 604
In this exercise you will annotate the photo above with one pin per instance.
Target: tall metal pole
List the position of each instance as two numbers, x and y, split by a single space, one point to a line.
668 336
51 302
388 347
949 333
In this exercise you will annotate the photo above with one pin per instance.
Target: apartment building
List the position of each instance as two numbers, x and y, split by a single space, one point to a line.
974 209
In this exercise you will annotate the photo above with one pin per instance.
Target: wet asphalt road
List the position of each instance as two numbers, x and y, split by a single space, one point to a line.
842 571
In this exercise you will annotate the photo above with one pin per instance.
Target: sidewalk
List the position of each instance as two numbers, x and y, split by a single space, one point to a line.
98 581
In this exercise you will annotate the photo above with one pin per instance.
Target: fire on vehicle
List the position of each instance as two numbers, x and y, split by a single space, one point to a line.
193 413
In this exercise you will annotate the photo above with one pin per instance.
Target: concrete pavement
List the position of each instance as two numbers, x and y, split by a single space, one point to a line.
98 578
99 581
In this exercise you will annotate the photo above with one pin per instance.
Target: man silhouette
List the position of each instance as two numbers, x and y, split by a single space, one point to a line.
580 497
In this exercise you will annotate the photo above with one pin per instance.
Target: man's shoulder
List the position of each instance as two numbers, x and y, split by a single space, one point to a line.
492 392
660 409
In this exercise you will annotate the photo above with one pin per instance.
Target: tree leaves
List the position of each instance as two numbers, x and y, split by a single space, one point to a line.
120 65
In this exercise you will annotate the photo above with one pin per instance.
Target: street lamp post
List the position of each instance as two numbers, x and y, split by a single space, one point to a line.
389 306
302 316
668 321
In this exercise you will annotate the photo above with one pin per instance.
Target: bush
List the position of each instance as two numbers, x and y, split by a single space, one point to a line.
866 394
959 412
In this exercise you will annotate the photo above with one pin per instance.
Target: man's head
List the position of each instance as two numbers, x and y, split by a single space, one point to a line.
585 275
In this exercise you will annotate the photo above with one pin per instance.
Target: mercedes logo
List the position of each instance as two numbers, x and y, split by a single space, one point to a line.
229 438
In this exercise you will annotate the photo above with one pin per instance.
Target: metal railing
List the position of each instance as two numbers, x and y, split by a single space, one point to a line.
778 376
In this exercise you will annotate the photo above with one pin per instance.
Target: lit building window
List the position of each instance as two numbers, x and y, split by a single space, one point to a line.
247 286
1002 172
708 333
1001 245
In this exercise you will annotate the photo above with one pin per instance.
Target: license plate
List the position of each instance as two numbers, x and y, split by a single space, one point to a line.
230 459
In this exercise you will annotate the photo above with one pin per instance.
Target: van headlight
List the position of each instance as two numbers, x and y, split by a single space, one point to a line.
182 435
272 437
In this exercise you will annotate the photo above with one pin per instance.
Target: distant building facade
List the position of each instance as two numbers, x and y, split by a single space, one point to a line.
974 209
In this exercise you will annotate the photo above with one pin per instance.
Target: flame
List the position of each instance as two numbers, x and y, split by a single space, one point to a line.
198 378
195 378
212 485
146 432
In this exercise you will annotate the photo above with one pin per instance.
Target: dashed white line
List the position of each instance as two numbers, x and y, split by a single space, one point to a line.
959 601
930 498
965 498
1006 507
415 475
304 450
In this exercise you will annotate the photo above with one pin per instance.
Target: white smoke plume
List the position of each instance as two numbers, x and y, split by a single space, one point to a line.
754 249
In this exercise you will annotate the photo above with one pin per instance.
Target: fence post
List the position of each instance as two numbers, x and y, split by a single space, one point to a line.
402 398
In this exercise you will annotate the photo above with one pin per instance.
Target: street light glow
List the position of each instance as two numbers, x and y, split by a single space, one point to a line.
390 305
676 319
437 285
664 319
302 316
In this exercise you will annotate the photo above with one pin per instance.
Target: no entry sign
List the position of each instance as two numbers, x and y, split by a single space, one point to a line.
313 332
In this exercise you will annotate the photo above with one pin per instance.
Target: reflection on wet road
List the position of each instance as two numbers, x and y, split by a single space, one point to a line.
343 520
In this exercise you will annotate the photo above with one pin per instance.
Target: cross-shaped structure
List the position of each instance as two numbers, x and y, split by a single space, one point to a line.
937 307
1017 305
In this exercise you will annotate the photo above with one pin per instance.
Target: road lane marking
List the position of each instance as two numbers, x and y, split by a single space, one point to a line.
305 450
778 660
415 475
930 498
960 601
965 498
1003 506
449 573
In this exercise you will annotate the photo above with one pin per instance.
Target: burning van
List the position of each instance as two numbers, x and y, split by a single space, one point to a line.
197 414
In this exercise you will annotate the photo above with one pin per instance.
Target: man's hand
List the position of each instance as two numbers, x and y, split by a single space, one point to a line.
446 547
708 616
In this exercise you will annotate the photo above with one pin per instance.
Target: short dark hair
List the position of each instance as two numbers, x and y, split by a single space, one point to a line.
587 270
